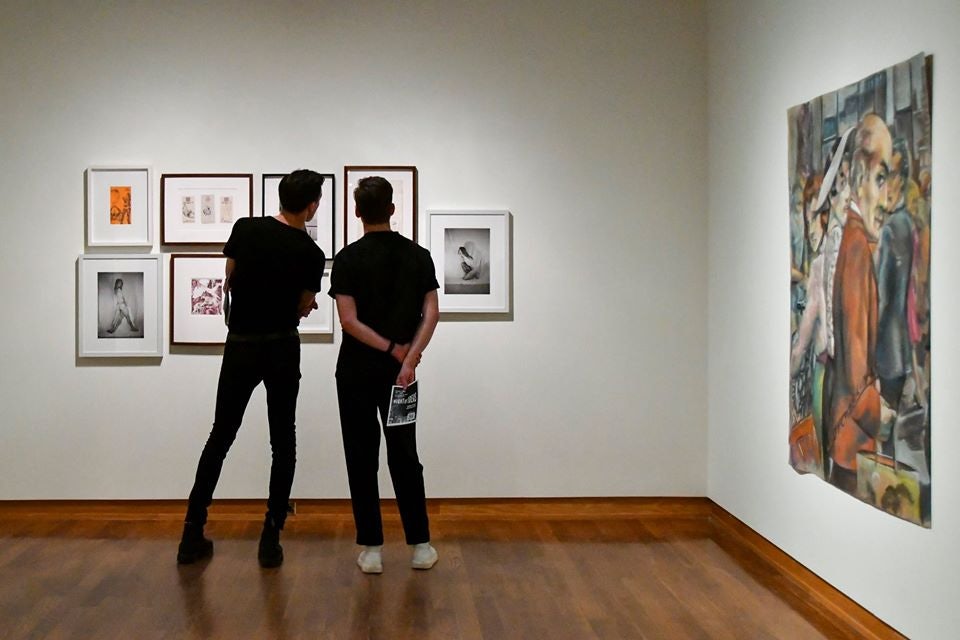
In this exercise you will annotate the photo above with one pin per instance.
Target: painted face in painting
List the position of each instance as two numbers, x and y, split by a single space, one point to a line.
894 183
816 225
873 158
840 194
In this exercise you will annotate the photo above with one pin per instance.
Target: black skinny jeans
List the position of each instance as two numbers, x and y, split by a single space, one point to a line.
247 361
360 400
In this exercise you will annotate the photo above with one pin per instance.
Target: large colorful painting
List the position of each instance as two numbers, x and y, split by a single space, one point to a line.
860 182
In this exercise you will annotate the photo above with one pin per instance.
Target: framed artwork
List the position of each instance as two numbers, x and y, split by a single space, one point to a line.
404 182
196 299
200 209
321 227
119 206
320 320
859 169
471 253
118 307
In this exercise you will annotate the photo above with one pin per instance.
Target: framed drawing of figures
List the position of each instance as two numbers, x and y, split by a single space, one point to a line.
859 170
471 253
118 310
200 209
320 320
119 206
197 299
404 183
322 225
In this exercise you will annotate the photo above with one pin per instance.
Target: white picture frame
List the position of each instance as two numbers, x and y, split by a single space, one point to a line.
320 320
321 228
200 208
119 306
404 182
119 206
477 283
196 299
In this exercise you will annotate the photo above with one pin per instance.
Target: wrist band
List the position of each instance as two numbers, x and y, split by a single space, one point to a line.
390 348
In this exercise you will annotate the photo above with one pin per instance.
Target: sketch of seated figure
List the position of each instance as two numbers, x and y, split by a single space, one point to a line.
471 260
188 214
207 215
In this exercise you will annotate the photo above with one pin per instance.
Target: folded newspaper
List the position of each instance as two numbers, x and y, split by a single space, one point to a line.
403 406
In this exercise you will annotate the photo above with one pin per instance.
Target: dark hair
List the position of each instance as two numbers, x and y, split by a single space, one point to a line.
118 283
299 188
373 197
900 148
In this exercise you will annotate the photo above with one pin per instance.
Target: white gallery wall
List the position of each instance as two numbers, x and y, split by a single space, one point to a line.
586 120
764 57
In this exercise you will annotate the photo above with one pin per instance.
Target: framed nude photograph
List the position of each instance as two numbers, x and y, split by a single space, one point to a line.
119 306
197 299
321 228
404 183
471 253
119 206
320 320
200 209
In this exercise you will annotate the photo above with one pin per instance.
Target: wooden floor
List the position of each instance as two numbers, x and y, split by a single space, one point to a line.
574 569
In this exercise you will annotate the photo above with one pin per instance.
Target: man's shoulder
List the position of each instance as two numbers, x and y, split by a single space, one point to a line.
248 222
412 247
314 250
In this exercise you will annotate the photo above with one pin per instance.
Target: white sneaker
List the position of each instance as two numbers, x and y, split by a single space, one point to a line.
371 560
424 556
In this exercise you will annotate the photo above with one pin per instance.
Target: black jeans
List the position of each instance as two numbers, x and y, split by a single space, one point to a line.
360 399
247 361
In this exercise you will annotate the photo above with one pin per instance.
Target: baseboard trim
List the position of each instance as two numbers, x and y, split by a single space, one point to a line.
723 525
803 579
440 509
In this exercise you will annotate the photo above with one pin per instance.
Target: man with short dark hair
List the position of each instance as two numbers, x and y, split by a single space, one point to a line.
894 266
386 291
273 274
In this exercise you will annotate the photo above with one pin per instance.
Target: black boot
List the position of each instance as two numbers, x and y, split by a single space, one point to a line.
193 546
270 553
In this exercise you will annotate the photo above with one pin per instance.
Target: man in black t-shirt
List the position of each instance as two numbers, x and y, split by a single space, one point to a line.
273 274
386 292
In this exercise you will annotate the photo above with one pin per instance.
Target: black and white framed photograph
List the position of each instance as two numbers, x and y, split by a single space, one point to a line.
321 228
471 253
320 320
119 306
197 299
119 206
404 183
200 208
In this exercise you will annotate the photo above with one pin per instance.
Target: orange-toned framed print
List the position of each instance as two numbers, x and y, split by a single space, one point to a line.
119 206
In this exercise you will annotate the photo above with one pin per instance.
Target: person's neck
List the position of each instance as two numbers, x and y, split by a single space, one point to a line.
370 228
296 220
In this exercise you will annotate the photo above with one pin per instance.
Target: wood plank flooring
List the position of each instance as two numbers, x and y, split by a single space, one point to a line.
527 569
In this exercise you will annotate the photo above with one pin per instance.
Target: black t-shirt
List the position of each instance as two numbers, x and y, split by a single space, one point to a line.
388 276
275 263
